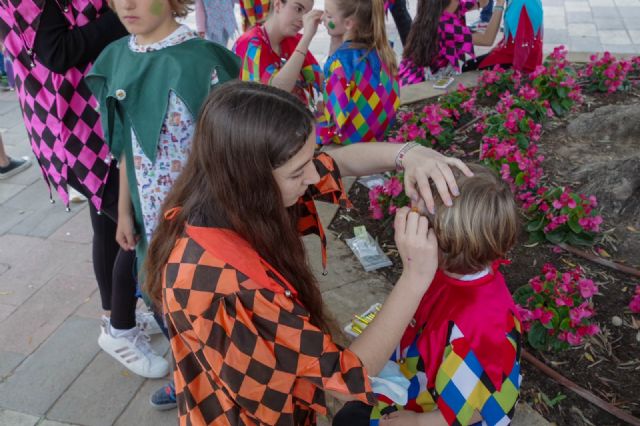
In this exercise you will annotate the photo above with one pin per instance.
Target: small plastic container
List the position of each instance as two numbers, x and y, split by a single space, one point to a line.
360 322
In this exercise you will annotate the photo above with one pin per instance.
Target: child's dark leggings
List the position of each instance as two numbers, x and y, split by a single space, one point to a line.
113 267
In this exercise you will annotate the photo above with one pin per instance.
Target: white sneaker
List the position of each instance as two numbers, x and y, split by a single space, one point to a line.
133 351
75 196
147 323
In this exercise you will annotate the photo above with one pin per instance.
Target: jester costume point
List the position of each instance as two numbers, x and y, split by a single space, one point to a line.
521 46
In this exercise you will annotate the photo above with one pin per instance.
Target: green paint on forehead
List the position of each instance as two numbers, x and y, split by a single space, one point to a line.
157 7
331 25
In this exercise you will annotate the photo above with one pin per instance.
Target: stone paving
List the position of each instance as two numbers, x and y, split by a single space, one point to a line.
52 371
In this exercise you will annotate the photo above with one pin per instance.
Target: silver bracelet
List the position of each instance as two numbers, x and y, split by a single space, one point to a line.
403 152
498 7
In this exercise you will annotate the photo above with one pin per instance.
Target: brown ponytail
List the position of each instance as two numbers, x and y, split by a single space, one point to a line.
370 31
422 42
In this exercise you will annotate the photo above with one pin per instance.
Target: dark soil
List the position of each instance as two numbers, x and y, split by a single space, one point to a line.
609 364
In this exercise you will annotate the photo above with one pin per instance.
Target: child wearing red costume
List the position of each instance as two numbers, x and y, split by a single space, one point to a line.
461 352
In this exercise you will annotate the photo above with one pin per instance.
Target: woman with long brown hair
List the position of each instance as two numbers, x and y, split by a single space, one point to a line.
248 330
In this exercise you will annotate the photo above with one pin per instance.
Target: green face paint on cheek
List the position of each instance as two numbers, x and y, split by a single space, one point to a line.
157 7
331 25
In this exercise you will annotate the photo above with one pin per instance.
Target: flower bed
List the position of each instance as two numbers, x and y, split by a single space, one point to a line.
568 304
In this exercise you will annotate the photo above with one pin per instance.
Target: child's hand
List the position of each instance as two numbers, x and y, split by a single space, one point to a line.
310 22
125 232
417 246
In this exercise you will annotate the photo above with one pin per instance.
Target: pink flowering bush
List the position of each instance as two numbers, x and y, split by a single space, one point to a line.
510 122
558 215
385 199
556 308
431 127
461 103
556 83
634 305
606 73
521 169
493 82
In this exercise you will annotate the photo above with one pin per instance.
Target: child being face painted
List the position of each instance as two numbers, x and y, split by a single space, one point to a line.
337 25
150 20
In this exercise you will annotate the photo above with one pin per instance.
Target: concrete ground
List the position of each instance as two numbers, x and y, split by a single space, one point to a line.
52 371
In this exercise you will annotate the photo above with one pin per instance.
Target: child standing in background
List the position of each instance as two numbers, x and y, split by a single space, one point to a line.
361 93
150 87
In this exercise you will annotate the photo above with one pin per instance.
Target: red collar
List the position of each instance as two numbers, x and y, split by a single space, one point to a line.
229 247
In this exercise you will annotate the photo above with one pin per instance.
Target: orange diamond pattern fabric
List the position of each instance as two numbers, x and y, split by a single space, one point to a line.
245 350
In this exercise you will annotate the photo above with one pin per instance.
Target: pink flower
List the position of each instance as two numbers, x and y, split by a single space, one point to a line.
564 301
546 317
376 212
523 313
536 284
578 313
540 69
634 305
588 330
393 187
587 288
573 339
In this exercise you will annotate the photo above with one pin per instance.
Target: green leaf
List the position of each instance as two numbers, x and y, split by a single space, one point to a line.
537 336
535 225
574 225
555 192
536 237
566 104
524 126
562 91
522 294
556 236
583 239
564 324
523 142
556 107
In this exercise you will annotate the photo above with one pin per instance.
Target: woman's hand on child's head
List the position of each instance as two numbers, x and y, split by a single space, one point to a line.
420 165
417 246
125 232
310 22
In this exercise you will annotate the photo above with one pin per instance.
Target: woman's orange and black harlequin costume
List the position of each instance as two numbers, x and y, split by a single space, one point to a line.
245 350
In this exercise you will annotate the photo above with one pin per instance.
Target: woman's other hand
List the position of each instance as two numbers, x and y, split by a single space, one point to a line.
421 164
417 247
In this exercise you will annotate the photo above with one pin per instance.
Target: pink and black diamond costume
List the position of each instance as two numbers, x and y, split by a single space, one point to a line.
59 110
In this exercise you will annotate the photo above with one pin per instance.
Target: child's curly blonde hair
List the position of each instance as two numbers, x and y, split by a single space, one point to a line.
180 8
480 227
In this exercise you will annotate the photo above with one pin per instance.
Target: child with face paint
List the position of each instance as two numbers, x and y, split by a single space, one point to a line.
150 87
362 67
276 54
